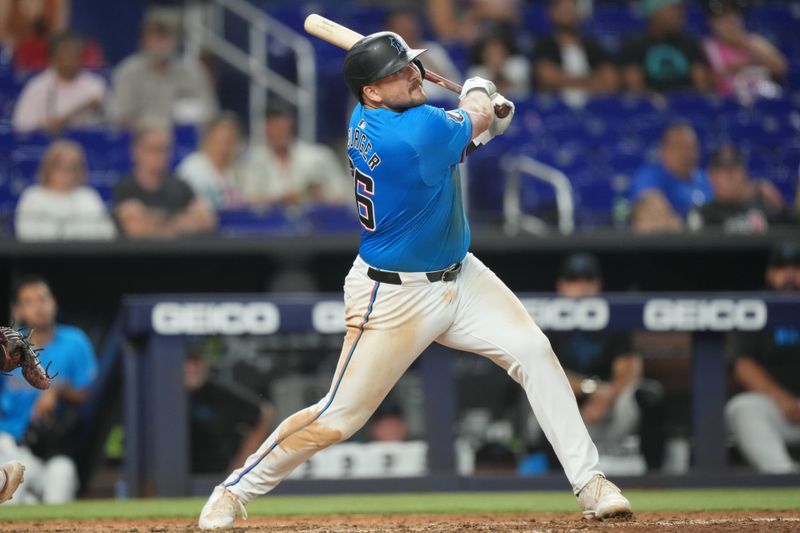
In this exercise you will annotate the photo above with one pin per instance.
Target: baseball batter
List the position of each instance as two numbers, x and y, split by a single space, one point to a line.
414 282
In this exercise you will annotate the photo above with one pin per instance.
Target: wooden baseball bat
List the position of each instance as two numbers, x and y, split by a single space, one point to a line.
344 37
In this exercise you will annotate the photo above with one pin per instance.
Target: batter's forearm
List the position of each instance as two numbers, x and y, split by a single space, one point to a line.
479 108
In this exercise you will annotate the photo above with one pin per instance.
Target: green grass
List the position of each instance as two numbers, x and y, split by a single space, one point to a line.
433 503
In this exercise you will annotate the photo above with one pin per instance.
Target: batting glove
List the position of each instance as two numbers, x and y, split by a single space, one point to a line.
498 125
478 83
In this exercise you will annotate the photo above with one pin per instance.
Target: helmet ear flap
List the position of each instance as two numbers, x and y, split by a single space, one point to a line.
418 63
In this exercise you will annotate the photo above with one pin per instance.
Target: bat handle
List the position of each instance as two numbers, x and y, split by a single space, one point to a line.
502 111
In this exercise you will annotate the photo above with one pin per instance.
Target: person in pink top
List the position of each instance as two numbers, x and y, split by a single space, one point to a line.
64 95
744 64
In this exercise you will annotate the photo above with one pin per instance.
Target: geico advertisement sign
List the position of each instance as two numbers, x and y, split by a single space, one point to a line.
226 318
566 313
328 317
719 314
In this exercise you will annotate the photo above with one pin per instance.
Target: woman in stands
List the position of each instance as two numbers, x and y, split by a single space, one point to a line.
61 205
213 171
744 64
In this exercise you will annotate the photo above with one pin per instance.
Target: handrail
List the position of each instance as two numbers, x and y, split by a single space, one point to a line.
254 63
514 219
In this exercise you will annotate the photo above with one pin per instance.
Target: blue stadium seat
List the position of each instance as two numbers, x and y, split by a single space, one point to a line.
332 219
243 222
610 24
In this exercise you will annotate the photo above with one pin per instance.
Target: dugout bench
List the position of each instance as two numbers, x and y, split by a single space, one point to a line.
157 462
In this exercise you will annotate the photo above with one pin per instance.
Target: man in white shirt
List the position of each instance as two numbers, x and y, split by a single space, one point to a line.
63 96
287 171
154 82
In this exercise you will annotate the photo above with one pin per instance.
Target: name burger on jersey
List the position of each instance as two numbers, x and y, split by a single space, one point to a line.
357 139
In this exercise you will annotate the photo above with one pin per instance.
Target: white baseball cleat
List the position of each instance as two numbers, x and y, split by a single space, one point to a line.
221 509
14 472
602 499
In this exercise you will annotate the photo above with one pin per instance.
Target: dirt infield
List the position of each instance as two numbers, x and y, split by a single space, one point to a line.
771 521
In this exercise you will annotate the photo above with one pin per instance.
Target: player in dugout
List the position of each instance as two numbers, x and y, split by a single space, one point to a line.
414 283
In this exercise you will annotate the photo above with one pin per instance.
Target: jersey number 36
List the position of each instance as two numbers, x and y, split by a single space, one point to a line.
365 189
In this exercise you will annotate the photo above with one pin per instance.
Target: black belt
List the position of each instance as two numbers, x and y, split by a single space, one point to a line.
393 278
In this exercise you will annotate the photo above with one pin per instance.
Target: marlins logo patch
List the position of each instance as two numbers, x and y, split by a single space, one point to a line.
455 116
397 45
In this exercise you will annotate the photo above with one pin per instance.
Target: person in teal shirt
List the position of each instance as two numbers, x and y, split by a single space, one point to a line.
23 408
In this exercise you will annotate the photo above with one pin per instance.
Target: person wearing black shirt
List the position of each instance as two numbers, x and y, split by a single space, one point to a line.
664 58
765 417
569 62
225 425
739 205
605 373
152 204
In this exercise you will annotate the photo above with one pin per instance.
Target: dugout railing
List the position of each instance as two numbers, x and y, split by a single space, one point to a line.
155 403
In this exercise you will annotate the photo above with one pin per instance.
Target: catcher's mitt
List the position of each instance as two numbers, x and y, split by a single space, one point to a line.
17 351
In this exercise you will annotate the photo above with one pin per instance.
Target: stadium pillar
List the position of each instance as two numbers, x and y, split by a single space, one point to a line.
708 402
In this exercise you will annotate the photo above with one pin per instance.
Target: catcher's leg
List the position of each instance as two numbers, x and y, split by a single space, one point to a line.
388 326
60 480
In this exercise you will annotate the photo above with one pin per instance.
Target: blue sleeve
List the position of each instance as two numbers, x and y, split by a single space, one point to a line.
442 136
708 192
83 363
646 179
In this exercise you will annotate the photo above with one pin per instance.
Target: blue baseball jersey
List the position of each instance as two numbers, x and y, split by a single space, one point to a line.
408 187
70 355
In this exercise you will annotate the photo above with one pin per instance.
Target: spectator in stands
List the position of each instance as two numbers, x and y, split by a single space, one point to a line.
466 25
495 57
213 171
406 23
226 425
155 82
39 427
604 371
569 62
287 171
739 205
26 25
664 58
63 96
150 203
61 205
388 424
744 64
663 192
765 417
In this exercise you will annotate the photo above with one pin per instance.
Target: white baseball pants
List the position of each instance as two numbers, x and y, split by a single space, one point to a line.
54 481
762 433
388 326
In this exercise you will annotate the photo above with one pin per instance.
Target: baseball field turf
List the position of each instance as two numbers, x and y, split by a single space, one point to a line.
773 510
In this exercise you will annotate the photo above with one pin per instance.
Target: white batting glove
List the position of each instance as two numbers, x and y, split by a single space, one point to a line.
478 83
498 125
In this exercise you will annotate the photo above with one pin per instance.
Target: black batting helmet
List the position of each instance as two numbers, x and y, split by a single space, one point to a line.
376 56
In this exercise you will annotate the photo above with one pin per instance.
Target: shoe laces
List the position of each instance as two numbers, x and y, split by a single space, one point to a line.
599 485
